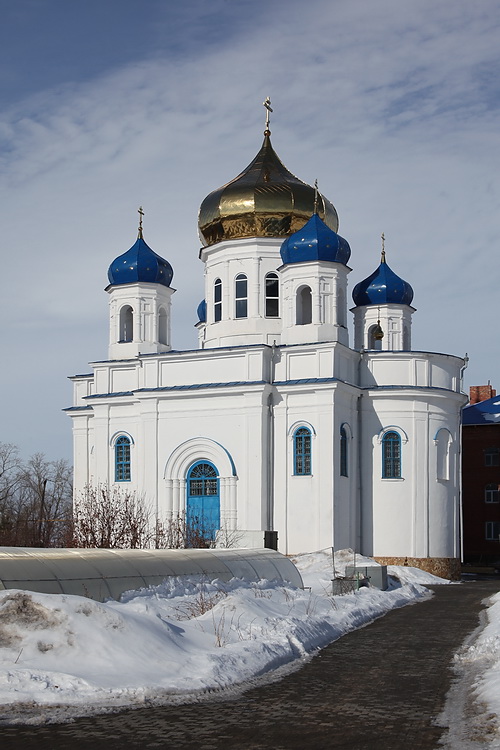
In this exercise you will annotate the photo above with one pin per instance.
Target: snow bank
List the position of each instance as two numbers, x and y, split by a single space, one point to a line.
63 656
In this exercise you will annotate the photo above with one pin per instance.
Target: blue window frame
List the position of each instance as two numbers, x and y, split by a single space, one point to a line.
343 453
302 451
122 459
391 456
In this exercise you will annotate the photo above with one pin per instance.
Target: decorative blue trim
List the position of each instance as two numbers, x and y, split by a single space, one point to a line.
110 395
78 408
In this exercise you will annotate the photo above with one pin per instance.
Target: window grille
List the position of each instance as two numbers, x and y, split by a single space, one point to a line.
302 451
122 460
391 456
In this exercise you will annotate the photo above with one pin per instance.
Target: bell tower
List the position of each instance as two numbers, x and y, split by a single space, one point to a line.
139 301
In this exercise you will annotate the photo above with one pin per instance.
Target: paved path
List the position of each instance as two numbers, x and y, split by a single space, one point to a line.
377 688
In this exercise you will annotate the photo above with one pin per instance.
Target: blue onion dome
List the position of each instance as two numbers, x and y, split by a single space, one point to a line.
265 200
140 264
315 241
202 311
382 287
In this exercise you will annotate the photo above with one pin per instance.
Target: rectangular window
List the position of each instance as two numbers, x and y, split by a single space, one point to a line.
491 457
491 493
493 531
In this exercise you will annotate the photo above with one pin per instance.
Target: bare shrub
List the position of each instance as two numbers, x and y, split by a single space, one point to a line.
177 532
203 602
110 517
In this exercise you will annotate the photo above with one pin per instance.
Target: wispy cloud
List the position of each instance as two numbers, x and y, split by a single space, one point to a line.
392 106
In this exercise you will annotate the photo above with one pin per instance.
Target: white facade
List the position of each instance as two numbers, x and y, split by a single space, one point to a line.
238 402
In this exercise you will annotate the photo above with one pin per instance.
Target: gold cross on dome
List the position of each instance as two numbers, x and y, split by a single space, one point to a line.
141 214
267 105
383 247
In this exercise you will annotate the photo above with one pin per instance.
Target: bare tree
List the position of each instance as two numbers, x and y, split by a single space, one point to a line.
35 500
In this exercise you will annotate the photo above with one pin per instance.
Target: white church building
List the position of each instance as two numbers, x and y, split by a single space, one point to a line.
277 423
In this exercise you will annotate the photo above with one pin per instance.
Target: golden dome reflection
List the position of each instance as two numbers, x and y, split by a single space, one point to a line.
265 200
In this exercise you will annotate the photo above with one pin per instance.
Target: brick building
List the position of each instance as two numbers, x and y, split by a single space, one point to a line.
481 476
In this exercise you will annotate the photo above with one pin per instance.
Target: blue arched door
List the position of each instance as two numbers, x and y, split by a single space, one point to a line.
203 502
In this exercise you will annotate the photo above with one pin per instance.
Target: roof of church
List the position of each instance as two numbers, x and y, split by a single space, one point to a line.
484 412
315 241
140 263
265 200
382 287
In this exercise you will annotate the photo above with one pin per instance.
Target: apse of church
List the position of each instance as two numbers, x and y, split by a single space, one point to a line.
277 423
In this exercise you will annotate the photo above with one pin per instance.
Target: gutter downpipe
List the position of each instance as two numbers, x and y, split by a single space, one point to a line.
459 467
360 453
270 453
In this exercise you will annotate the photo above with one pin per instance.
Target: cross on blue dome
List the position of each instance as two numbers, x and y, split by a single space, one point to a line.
382 287
315 241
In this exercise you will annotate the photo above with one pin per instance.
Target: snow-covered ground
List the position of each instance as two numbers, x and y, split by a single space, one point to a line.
64 656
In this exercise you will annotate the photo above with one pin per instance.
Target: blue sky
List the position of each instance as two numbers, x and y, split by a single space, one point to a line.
110 104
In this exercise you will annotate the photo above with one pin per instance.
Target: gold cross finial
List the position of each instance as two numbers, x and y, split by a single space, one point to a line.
141 214
315 196
383 247
267 105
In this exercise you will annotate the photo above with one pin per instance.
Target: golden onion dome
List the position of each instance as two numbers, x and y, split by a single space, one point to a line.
265 200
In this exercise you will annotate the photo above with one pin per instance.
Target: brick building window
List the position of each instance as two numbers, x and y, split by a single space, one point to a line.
491 457
493 531
491 493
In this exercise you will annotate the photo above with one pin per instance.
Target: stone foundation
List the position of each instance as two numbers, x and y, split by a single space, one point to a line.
444 567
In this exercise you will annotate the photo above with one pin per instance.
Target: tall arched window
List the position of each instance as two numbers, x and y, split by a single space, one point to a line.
162 327
126 324
302 451
374 343
491 493
122 459
272 305
443 446
344 455
303 306
217 300
241 296
391 456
